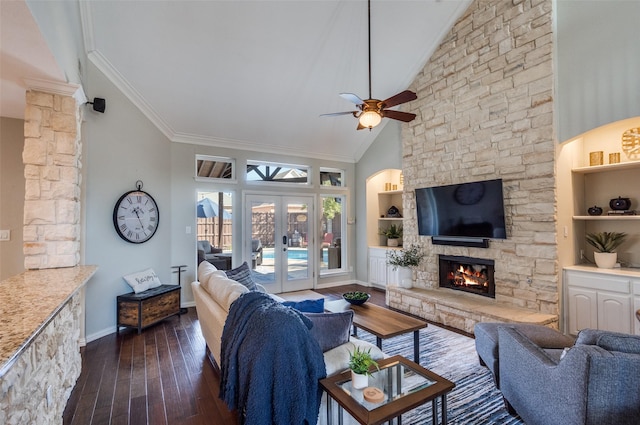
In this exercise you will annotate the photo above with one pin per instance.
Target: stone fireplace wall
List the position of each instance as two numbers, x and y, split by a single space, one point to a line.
485 111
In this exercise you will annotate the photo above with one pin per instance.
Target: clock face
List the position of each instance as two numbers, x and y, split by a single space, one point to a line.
631 143
469 193
136 216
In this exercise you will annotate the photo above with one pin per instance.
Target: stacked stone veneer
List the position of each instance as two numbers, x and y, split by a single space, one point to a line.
485 111
50 364
51 159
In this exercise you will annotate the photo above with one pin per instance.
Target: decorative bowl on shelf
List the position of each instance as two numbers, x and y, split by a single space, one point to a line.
356 297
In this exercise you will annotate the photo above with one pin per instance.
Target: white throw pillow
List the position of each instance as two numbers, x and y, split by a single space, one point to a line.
222 290
143 280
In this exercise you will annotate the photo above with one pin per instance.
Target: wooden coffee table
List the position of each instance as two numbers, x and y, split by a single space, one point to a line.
405 384
381 322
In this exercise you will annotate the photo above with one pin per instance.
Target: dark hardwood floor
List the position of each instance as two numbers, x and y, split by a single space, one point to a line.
161 376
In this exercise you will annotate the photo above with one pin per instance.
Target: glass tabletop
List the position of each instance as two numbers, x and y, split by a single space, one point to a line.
396 381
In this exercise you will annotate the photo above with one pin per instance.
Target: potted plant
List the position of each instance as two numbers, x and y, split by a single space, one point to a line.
403 260
360 363
393 234
605 244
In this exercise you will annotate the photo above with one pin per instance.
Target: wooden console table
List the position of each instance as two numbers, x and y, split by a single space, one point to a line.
147 308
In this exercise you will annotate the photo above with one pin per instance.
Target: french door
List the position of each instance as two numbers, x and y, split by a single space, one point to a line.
278 240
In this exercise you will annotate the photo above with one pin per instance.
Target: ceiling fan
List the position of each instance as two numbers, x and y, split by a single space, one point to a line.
371 111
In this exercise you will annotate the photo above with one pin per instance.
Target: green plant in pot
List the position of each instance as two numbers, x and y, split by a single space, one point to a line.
605 244
360 363
393 234
403 260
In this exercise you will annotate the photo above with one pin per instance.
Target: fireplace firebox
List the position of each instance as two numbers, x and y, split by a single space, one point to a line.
475 275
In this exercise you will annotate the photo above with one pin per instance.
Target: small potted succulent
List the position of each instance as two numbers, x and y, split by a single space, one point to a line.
393 234
605 244
360 363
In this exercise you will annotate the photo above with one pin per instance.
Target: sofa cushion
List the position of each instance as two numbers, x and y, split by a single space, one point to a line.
331 329
142 280
622 343
222 290
242 274
307 306
204 270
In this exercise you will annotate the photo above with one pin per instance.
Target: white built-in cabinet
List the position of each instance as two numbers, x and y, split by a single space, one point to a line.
604 299
381 274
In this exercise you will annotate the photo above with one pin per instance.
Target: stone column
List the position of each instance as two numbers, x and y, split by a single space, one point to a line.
51 160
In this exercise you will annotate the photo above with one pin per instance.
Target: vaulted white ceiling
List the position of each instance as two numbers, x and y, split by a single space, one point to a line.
258 74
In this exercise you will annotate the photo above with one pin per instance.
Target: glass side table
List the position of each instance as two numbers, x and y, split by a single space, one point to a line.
405 385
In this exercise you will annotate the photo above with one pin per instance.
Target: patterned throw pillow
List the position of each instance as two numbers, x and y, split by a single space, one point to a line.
143 280
242 274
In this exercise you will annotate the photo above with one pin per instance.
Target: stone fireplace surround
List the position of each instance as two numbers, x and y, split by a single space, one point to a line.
485 110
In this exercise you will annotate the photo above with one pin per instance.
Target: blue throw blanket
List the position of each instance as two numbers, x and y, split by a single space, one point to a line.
269 362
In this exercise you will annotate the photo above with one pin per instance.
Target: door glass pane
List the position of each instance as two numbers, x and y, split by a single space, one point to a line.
263 241
215 228
297 234
332 223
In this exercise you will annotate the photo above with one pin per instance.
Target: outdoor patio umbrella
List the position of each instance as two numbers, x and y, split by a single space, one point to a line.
208 208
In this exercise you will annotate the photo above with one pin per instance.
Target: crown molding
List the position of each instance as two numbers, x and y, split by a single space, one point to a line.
218 142
56 87
127 89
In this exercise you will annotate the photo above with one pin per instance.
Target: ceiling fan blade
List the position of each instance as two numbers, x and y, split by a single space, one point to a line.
340 113
403 97
398 115
352 98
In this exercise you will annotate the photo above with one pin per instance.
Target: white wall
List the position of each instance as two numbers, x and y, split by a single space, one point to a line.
12 195
598 57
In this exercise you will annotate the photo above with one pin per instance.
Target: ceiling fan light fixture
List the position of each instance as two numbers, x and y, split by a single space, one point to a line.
370 119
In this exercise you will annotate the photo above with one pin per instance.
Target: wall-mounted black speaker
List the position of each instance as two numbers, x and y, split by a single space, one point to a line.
99 104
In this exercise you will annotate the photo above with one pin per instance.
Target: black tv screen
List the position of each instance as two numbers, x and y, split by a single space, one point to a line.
474 210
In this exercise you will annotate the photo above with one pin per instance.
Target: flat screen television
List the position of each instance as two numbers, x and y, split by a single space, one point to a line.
469 210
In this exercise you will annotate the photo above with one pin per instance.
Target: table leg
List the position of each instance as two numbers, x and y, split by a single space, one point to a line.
416 346
355 331
444 409
379 342
434 411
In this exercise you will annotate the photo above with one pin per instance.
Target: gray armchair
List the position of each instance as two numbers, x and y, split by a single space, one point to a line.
206 251
596 381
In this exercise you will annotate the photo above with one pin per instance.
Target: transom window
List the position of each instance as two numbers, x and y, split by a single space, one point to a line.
215 168
277 173
331 177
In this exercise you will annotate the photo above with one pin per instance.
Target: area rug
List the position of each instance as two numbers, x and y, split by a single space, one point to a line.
474 400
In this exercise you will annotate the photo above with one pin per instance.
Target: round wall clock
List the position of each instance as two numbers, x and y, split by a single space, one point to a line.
631 143
136 215
469 193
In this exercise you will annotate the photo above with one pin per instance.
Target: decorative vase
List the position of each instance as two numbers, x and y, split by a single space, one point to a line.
605 260
359 381
405 277
392 242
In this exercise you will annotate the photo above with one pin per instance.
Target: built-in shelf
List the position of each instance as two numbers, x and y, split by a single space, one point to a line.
607 167
395 192
606 217
390 218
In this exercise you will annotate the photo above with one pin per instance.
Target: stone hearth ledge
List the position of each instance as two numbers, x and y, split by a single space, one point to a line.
460 310
29 301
